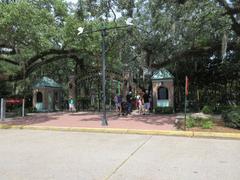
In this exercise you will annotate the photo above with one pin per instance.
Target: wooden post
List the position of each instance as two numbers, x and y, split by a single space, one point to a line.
185 106
23 107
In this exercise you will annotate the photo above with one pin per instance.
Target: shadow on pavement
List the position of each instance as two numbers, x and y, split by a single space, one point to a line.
78 119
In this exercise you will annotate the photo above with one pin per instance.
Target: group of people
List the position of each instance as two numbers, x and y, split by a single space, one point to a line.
142 103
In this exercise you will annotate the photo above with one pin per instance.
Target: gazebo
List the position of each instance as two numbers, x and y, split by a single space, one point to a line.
47 95
163 88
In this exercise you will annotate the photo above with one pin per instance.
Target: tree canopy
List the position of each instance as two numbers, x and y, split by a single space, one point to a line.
195 38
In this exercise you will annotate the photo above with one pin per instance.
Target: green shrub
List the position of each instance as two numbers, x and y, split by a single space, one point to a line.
164 110
220 108
199 122
232 118
207 123
190 122
207 110
31 109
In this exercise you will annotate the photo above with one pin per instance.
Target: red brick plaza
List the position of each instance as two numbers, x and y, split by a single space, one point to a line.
93 120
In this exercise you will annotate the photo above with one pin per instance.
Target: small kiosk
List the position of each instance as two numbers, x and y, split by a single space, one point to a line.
163 88
47 95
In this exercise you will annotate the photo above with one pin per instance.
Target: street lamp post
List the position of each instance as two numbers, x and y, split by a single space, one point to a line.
104 118
103 31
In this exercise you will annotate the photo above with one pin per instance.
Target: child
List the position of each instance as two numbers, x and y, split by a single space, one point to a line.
140 105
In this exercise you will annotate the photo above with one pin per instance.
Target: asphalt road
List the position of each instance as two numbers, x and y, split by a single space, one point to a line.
40 155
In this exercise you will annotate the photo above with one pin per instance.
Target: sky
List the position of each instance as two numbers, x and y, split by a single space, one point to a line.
73 1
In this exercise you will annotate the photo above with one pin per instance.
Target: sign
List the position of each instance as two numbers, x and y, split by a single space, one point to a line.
14 101
186 86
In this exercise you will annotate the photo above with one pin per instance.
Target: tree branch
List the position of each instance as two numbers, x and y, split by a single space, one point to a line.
51 52
32 67
232 11
9 61
198 51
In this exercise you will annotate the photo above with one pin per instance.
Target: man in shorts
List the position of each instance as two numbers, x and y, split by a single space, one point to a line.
71 104
118 102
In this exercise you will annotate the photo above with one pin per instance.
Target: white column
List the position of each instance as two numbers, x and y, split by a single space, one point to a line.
2 109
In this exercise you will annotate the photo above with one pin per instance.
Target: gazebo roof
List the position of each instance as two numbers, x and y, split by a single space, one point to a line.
162 74
46 82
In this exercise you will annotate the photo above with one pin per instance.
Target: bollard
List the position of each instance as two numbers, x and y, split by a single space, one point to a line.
2 109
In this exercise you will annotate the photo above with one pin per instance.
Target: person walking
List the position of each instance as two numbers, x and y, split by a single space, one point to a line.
118 103
129 102
146 103
71 104
140 105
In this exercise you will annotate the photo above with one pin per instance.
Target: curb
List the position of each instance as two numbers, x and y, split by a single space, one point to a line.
127 131
217 135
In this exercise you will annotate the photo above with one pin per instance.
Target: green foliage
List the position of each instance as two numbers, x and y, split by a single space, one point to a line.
190 122
219 109
14 112
205 123
32 110
207 109
182 35
163 110
228 108
26 24
5 89
232 118
84 103
14 107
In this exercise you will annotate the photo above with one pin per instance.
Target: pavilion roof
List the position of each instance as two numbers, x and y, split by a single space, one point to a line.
162 74
46 82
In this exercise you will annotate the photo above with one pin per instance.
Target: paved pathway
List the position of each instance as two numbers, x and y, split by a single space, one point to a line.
93 120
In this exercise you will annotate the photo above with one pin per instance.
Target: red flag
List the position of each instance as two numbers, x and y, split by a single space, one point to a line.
186 86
